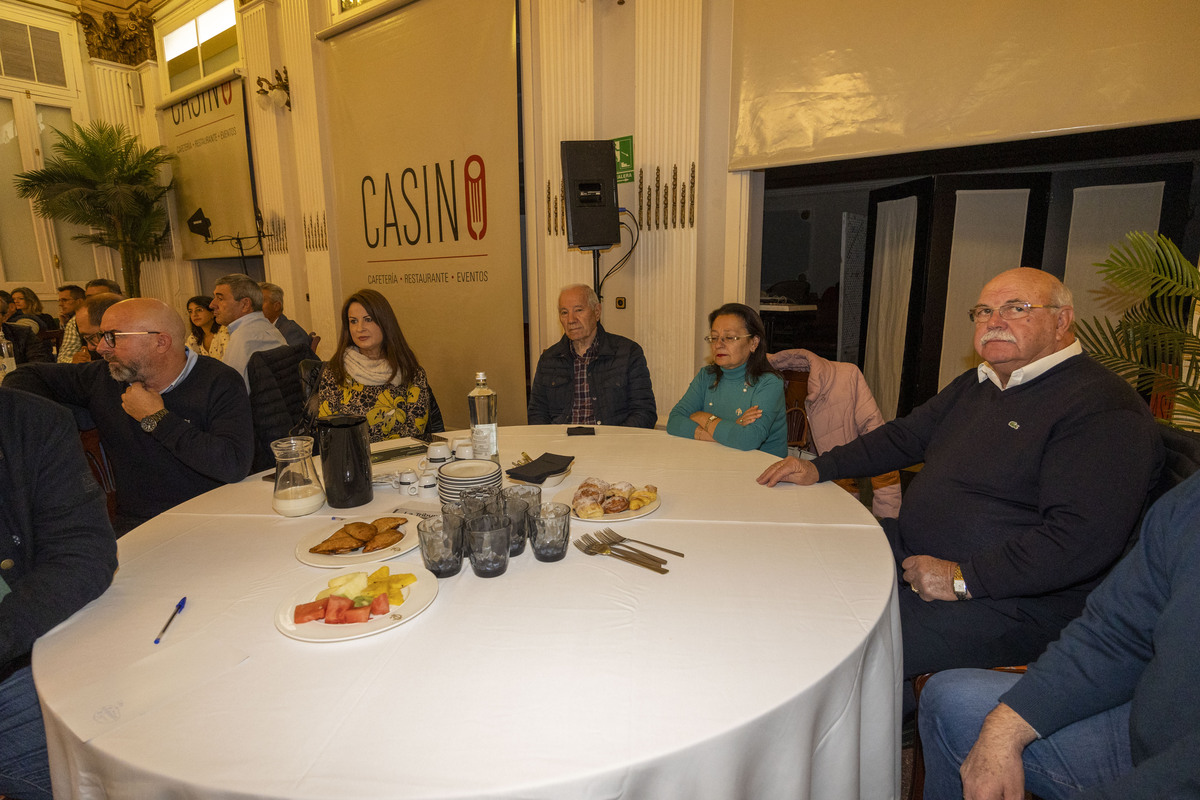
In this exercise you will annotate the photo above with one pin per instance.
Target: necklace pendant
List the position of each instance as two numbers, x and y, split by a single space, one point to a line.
739 412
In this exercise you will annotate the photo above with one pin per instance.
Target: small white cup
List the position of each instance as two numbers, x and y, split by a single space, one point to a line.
464 451
437 454
408 482
427 485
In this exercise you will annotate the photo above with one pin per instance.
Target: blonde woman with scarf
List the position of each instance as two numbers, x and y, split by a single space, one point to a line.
374 373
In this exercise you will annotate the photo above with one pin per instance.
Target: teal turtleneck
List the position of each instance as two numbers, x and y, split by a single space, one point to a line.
728 401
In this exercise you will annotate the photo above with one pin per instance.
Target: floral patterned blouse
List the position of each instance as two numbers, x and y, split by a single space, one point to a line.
220 339
391 411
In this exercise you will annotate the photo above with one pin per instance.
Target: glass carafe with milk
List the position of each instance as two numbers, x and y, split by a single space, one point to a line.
297 488
484 411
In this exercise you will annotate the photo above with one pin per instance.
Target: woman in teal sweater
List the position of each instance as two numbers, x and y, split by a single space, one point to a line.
736 400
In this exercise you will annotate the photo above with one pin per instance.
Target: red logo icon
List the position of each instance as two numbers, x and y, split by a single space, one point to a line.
473 175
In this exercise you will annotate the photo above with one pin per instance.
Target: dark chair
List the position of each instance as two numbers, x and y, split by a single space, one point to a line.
1181 460
276 397
97 459
795 392
53 338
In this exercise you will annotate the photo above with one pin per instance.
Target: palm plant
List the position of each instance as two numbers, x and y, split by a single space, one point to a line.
102 178
1156 344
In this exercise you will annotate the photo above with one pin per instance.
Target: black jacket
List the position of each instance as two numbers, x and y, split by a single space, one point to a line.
618 380
57 549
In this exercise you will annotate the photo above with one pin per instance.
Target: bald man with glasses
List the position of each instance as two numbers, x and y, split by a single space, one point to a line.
1036 466
174 424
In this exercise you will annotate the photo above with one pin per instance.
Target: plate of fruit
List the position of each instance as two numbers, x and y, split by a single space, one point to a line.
353 603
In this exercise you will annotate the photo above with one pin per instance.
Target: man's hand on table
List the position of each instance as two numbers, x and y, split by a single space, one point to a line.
140 402
931 578
993 769
791 470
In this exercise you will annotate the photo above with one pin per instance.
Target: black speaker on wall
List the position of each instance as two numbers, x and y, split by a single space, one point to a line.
590 183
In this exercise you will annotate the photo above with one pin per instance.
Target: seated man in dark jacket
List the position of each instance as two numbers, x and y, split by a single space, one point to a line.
591 376
57 553
174 424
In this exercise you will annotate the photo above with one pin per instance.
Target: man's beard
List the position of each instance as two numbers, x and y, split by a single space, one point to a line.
125 373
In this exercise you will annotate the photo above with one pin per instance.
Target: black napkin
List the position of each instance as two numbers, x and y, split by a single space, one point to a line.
540 468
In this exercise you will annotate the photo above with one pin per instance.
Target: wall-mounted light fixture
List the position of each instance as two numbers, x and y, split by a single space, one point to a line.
201 225
278 91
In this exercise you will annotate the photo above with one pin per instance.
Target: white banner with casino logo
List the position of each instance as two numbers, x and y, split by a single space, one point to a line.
423 122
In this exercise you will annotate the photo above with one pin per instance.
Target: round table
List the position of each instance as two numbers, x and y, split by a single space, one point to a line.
765 665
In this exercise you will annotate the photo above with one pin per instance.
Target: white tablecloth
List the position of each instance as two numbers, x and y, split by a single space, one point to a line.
765 665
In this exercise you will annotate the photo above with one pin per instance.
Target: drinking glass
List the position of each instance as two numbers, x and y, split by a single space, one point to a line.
549 526
514 509
489 535
441 545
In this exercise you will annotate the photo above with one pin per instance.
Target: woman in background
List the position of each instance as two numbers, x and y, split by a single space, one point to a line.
27 302
736 400
207 338
375 374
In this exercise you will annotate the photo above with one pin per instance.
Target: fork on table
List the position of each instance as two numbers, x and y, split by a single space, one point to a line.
609 536
595 548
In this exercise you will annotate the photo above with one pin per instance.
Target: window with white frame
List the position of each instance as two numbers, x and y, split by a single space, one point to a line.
202 46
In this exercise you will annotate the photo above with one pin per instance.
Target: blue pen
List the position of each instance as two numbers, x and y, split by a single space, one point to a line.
170 619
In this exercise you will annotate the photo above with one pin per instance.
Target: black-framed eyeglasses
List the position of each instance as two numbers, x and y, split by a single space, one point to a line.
1008 311
110 337
726 339
92 339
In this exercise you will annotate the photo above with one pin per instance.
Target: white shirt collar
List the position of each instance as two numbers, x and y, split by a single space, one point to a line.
1029 371
237 323
192 358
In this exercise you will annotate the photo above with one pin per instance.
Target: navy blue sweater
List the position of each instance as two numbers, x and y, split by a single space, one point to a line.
206 440
1035 491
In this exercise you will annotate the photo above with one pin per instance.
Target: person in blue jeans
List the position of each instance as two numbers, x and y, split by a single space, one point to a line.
1110 710
57 553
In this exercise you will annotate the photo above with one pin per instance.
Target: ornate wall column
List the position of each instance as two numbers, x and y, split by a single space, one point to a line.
666 147
558 99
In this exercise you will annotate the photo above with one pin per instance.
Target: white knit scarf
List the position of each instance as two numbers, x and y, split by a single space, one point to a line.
369 371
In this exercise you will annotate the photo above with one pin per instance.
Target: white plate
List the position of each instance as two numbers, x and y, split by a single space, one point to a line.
417 597
567 495
469 471
327 529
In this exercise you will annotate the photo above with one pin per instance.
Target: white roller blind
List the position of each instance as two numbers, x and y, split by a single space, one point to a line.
819 82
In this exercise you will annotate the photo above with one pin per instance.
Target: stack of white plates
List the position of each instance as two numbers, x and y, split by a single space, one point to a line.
460 475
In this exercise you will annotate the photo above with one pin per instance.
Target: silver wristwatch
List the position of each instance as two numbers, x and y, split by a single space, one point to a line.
150 422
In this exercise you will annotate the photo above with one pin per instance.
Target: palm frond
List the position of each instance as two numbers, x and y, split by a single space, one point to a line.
101 177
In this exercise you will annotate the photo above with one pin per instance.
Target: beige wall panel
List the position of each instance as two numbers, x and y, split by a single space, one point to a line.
423 128
817 82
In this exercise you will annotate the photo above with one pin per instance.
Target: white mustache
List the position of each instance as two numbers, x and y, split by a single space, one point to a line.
997 336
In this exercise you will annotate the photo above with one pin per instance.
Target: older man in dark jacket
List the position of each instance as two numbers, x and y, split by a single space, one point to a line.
57 552
591 376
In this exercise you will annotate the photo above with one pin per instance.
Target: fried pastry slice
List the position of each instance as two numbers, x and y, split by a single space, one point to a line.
383 540
387 523
360 530
340 542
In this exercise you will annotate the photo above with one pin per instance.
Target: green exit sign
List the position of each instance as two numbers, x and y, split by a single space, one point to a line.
623 149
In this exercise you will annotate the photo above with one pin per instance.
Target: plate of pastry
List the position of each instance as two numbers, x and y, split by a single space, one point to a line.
356 541
597 500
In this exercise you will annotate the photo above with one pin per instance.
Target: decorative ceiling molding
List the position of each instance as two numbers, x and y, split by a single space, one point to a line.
126 38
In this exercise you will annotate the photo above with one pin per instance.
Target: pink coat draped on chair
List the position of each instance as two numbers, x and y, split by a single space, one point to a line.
840 408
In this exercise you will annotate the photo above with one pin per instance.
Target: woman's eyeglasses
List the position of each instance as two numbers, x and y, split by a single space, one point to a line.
726 339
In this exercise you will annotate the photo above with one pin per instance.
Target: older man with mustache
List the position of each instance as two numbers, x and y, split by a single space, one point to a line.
1036 468
174 424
